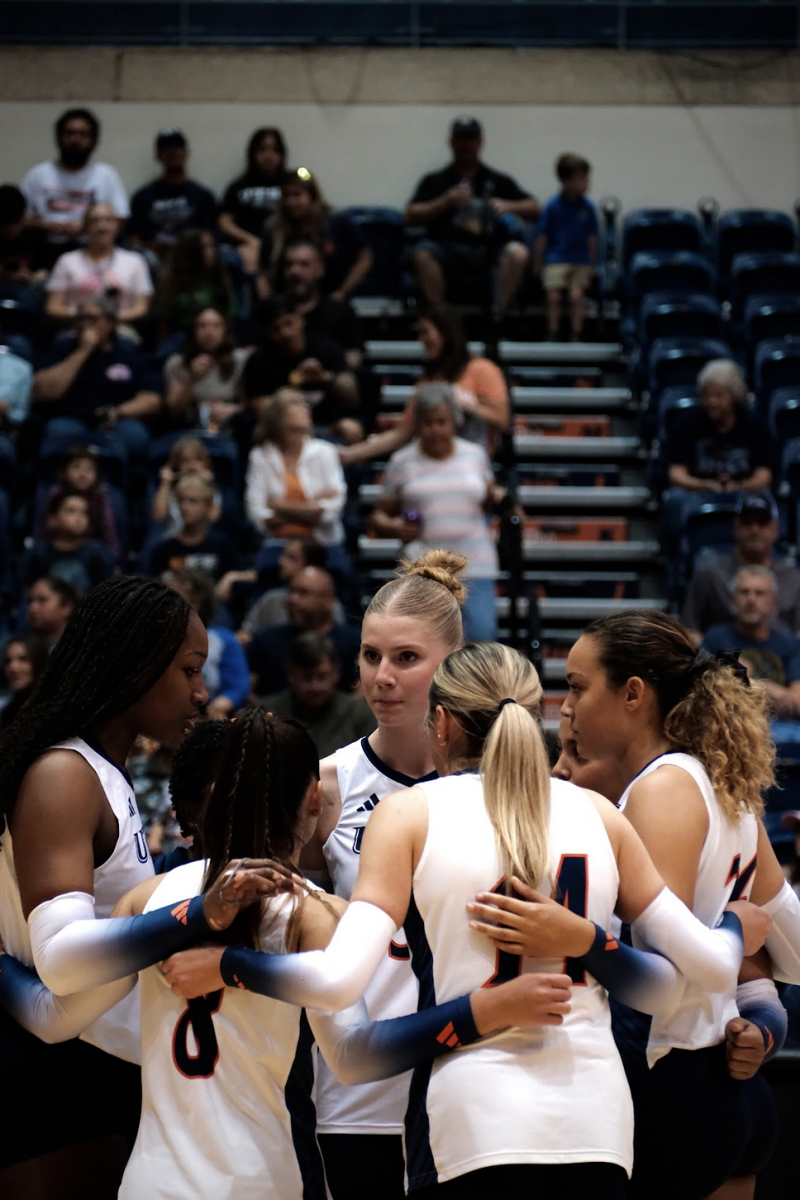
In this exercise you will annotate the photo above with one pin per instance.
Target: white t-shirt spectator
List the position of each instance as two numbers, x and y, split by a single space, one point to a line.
448 494
56 194
81 277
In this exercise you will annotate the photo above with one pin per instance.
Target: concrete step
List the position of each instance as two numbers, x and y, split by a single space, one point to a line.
559 352
381 350
577 609
584 448
583 499
594 554
571 399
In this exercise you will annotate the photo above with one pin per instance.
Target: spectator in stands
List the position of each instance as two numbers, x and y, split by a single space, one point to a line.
195 544
204 381
709 600
312 599
79 474
566 245
194 278
479 389
272 608
173 203
100 268
68 554
58 192
50 604
770 654
303 269
253 197
24 661
225 673
295 485
314 364
94 379
436 494
16 378
473 220
312 696
724 446
304 213
187 456
23 253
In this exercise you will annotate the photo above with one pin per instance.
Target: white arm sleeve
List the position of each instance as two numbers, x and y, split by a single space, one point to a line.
783 940
709 958
331 979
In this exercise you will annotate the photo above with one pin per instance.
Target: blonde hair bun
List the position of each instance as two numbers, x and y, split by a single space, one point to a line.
441 566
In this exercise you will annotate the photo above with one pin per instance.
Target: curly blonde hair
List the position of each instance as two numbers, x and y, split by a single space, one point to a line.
707 711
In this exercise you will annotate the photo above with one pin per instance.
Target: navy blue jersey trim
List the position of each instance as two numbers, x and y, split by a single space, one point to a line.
98 749
303 1115
389 772
420 1166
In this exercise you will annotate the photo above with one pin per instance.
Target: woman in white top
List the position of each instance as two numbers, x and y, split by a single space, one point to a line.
295 484
204 379
438 492
99 269
690 737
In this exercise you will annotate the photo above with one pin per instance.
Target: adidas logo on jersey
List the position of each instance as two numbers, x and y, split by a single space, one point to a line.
368 805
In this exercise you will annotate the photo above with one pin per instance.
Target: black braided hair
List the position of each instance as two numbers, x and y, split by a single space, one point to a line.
251 812
194 767
119 640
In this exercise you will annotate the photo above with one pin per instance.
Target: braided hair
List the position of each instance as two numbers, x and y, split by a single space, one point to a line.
120 639
262 776
194 766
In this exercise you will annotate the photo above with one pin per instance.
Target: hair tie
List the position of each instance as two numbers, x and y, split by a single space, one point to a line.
503 703
723 658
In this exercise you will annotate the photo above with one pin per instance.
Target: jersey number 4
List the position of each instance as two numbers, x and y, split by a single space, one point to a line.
199 1017
572 890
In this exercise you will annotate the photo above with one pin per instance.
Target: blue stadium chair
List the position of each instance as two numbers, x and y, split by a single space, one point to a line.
751 229
771 317
223 451
667 315
669 229
672 403
790 475
766 272
8 464
708 525
669 271
385 232
112 463
776 365
784 414
676 362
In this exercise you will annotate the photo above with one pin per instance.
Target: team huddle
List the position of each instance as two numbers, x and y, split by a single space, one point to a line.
512 980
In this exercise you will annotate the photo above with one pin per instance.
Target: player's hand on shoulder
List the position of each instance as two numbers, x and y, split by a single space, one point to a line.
744 1048
527 1002
194 972
530 923
756 924
241 883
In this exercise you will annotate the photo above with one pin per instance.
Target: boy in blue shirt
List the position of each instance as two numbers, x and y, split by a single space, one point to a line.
566 244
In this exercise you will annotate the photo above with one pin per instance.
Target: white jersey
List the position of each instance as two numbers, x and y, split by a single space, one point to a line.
726 872
226 1080
556 1094
117 1031
364 780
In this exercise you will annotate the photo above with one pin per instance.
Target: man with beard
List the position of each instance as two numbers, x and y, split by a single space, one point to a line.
302 269
59 191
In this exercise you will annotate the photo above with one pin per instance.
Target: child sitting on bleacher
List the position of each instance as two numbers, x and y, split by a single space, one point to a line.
194 544
79 473
188 456
566 245
68 553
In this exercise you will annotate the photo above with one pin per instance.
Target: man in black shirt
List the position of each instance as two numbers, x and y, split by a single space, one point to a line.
313 363
472 216
163 209
303 269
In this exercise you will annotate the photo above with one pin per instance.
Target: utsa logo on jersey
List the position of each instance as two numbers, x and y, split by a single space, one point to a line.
139 838
367 807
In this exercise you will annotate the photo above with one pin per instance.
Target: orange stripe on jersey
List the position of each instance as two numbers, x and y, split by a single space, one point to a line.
180 911
446 1033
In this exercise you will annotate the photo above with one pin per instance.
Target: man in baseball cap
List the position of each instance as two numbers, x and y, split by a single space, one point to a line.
473 218
164 209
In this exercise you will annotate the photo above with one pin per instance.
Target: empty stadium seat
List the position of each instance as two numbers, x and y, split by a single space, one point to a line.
766 272
676 362
776 365
751 229
669 229
708 525
784 414
771 317
672 403
670 315
385 232
669 271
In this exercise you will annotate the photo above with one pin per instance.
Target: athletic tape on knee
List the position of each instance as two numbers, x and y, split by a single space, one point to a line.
331 979
758 1001
73 950
709 958
783 940
54 1018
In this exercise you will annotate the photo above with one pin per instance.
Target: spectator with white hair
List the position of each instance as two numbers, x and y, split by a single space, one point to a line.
724 446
